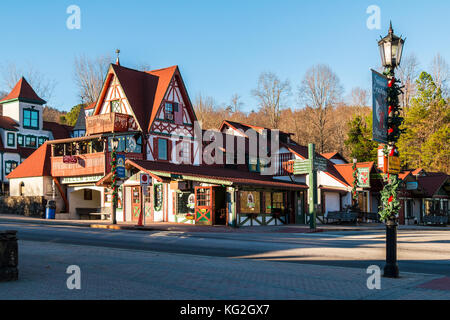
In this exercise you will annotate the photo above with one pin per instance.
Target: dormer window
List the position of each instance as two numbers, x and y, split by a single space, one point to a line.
10 139
169 110
31 119
115 106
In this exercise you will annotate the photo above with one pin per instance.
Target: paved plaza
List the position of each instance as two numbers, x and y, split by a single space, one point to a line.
111 273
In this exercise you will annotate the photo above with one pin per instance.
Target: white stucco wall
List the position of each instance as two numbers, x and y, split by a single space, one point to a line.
32 186
332 201
75 196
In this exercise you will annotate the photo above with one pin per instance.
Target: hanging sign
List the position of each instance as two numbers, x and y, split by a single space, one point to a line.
145 179
70 159
364 177
120 167
394 165
379 107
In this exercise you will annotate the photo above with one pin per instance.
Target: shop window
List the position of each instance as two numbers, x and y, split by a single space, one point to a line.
30 119
184 152
203 197
185 202
268 202
253 164
278 200
250 202
158 197
10 139
41 141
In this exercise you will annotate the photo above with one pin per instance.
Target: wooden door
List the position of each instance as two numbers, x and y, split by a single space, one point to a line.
136 203
204 205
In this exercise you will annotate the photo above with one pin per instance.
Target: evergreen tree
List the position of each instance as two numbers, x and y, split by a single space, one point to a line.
425 141
71 117
359 139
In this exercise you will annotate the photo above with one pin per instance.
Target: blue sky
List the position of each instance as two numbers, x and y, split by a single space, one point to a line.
220 46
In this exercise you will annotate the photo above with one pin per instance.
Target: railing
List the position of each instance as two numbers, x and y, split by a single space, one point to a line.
108 122
77 165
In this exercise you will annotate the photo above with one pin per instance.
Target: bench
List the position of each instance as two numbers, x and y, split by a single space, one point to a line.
93 213
341 216
372 216
435 220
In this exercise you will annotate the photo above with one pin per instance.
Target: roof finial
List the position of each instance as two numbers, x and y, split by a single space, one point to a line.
117 60
391 31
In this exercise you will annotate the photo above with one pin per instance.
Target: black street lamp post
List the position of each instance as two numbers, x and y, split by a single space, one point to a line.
391 49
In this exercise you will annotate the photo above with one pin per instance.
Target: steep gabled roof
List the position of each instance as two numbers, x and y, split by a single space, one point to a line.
432 183
36 165
145 91
23 91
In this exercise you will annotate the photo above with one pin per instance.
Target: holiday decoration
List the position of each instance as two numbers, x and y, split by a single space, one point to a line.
389 195
114 186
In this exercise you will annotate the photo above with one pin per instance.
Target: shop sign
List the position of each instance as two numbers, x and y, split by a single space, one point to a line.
83 179
120 167
394 165
413 185
379 107
70 159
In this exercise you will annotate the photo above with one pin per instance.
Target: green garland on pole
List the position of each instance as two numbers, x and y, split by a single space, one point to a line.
114 177
355 183
389 195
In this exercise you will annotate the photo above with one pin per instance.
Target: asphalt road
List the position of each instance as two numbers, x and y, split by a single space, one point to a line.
419 251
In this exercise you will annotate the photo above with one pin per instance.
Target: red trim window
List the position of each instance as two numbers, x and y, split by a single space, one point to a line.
169 110
163 149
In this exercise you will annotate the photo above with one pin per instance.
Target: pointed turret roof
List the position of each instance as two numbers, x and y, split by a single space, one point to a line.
23 91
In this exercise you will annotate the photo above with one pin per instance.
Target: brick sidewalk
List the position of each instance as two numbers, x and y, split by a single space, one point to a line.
108 273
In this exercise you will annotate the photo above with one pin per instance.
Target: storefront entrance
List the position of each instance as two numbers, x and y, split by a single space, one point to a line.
136 203
210 205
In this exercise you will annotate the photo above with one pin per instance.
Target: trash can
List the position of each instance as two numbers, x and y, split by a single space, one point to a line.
50 209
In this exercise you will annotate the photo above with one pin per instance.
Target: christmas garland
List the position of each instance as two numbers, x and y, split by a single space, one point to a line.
355 182
114 177
389 195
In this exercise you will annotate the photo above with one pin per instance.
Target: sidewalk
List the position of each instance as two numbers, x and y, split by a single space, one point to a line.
109 273
167 226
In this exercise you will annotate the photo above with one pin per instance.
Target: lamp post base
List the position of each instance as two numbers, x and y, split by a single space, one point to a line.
391 268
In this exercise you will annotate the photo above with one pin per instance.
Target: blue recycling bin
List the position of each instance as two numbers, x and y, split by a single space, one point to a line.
50 210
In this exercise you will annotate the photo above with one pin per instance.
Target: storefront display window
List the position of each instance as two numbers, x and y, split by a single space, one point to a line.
250 202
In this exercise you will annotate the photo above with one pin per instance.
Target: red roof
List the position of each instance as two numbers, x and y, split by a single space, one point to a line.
59 131
8 123
346 170
209 172
91 106
144 91
23 90
432 183
36 165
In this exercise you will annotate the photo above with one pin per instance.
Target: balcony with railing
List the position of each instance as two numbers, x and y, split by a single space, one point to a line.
108 122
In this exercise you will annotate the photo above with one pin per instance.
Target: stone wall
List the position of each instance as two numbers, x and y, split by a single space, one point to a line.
24 206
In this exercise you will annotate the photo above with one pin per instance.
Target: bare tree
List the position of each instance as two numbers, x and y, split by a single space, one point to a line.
359 97
11 74
89 76
440 71
272 94
204 107
235 103
408 73
321 91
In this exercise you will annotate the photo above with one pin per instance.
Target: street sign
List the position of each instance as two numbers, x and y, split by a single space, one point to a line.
413 185
302 166
379 107
145 179
320 164
394 165
120 167
364 177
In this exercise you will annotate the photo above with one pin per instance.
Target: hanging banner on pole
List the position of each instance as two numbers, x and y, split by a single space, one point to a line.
379 107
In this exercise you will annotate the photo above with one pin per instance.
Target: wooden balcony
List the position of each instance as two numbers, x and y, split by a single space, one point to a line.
108 122
79 165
